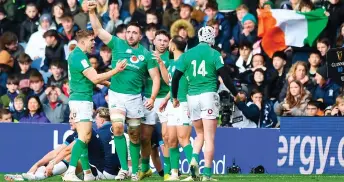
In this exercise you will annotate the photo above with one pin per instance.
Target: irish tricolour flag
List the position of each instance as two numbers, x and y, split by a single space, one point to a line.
282 28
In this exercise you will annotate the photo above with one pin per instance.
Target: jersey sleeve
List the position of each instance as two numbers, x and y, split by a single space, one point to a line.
69 139
113 42
80 62
218 61
151 63
181 64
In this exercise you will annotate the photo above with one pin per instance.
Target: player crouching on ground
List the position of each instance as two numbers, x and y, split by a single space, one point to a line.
179 123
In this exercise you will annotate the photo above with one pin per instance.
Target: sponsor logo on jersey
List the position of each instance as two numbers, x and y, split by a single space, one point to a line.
210 111
141 57
129 51
134 59
84 63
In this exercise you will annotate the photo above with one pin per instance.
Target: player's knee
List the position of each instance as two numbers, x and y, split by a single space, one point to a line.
85 137
172 142
117 128
184 141
165 137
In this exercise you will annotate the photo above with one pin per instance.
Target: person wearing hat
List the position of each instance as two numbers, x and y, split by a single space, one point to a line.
184 29
249 32
326 90
35 47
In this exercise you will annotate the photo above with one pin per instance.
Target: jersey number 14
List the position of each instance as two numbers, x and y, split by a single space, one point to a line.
200 70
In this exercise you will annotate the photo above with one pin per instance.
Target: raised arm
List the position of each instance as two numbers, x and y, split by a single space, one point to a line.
96 25
163 69
96 78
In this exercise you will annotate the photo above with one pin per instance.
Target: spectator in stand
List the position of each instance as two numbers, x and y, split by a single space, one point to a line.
94 63
139 14
247 115
54 50
9 42
340 37
80 18
171 14
25 71
102 7
5 116
6 25
257 62
152 17
55 105
260 82
36 84
323 45
296 101
225 31
35 47
338 108
7 99
19 108
198 13
65 88
279 60
58 10
299 72
6 66
58 75
302 5
249 32
241 11
314 62
68 30
121 31
326 90
106 56
335 11
100 91
185 14
184 29
244 61
220 42
30 25
313 109
10 8
114 17
147 39
34 112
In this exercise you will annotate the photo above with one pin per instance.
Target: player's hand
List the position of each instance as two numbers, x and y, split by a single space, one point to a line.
149 104
120 66
163 105
157 57
49 169
175 103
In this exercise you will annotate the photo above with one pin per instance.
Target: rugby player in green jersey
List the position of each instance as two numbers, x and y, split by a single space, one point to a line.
151 117
125 100
201 66
82 77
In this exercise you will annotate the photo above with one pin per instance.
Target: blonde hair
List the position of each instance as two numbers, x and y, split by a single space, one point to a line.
339 99
103 9
242 7
292 71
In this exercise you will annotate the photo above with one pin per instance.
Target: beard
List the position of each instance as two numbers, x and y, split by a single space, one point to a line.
133 44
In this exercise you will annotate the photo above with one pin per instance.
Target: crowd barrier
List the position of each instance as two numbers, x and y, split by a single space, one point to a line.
301 146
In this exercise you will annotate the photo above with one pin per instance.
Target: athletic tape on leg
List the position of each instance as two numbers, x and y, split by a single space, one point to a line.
117 118
134 123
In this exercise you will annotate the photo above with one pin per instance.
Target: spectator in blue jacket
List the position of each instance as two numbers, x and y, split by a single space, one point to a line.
100 91
326 90
249 32
225 33
34 112
241 11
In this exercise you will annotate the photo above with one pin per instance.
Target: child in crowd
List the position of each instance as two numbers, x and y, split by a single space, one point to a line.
338 108
19 108
314 61
58 74
5 116
12 91
25 70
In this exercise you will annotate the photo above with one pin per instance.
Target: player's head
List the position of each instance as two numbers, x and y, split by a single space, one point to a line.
72 121
5 115
85 40
161 40
102 116
177 44
133 34
207 34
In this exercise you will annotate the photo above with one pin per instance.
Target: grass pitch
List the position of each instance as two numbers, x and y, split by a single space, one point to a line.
247 177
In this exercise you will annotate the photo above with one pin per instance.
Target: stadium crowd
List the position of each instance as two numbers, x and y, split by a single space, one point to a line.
38 35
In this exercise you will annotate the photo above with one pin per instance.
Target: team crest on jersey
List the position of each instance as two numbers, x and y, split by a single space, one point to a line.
134 59
210 111
141 57
129 51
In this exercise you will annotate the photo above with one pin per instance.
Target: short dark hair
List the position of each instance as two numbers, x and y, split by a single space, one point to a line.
113 2
40 108
105 48
213 22
67 16
151 26
135 24
315 51
83 34
51 33
212 4
163 32
152 12
24 58
12 79
314 103
120 28
4 112
179 42
31 5
245 44
324 41
56 63
280 54
255 91
7 38
36 76
183 5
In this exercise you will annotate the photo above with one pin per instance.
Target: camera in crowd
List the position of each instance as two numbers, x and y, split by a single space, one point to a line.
226 108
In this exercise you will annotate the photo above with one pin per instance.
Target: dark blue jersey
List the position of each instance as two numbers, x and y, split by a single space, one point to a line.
112 164
95 149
